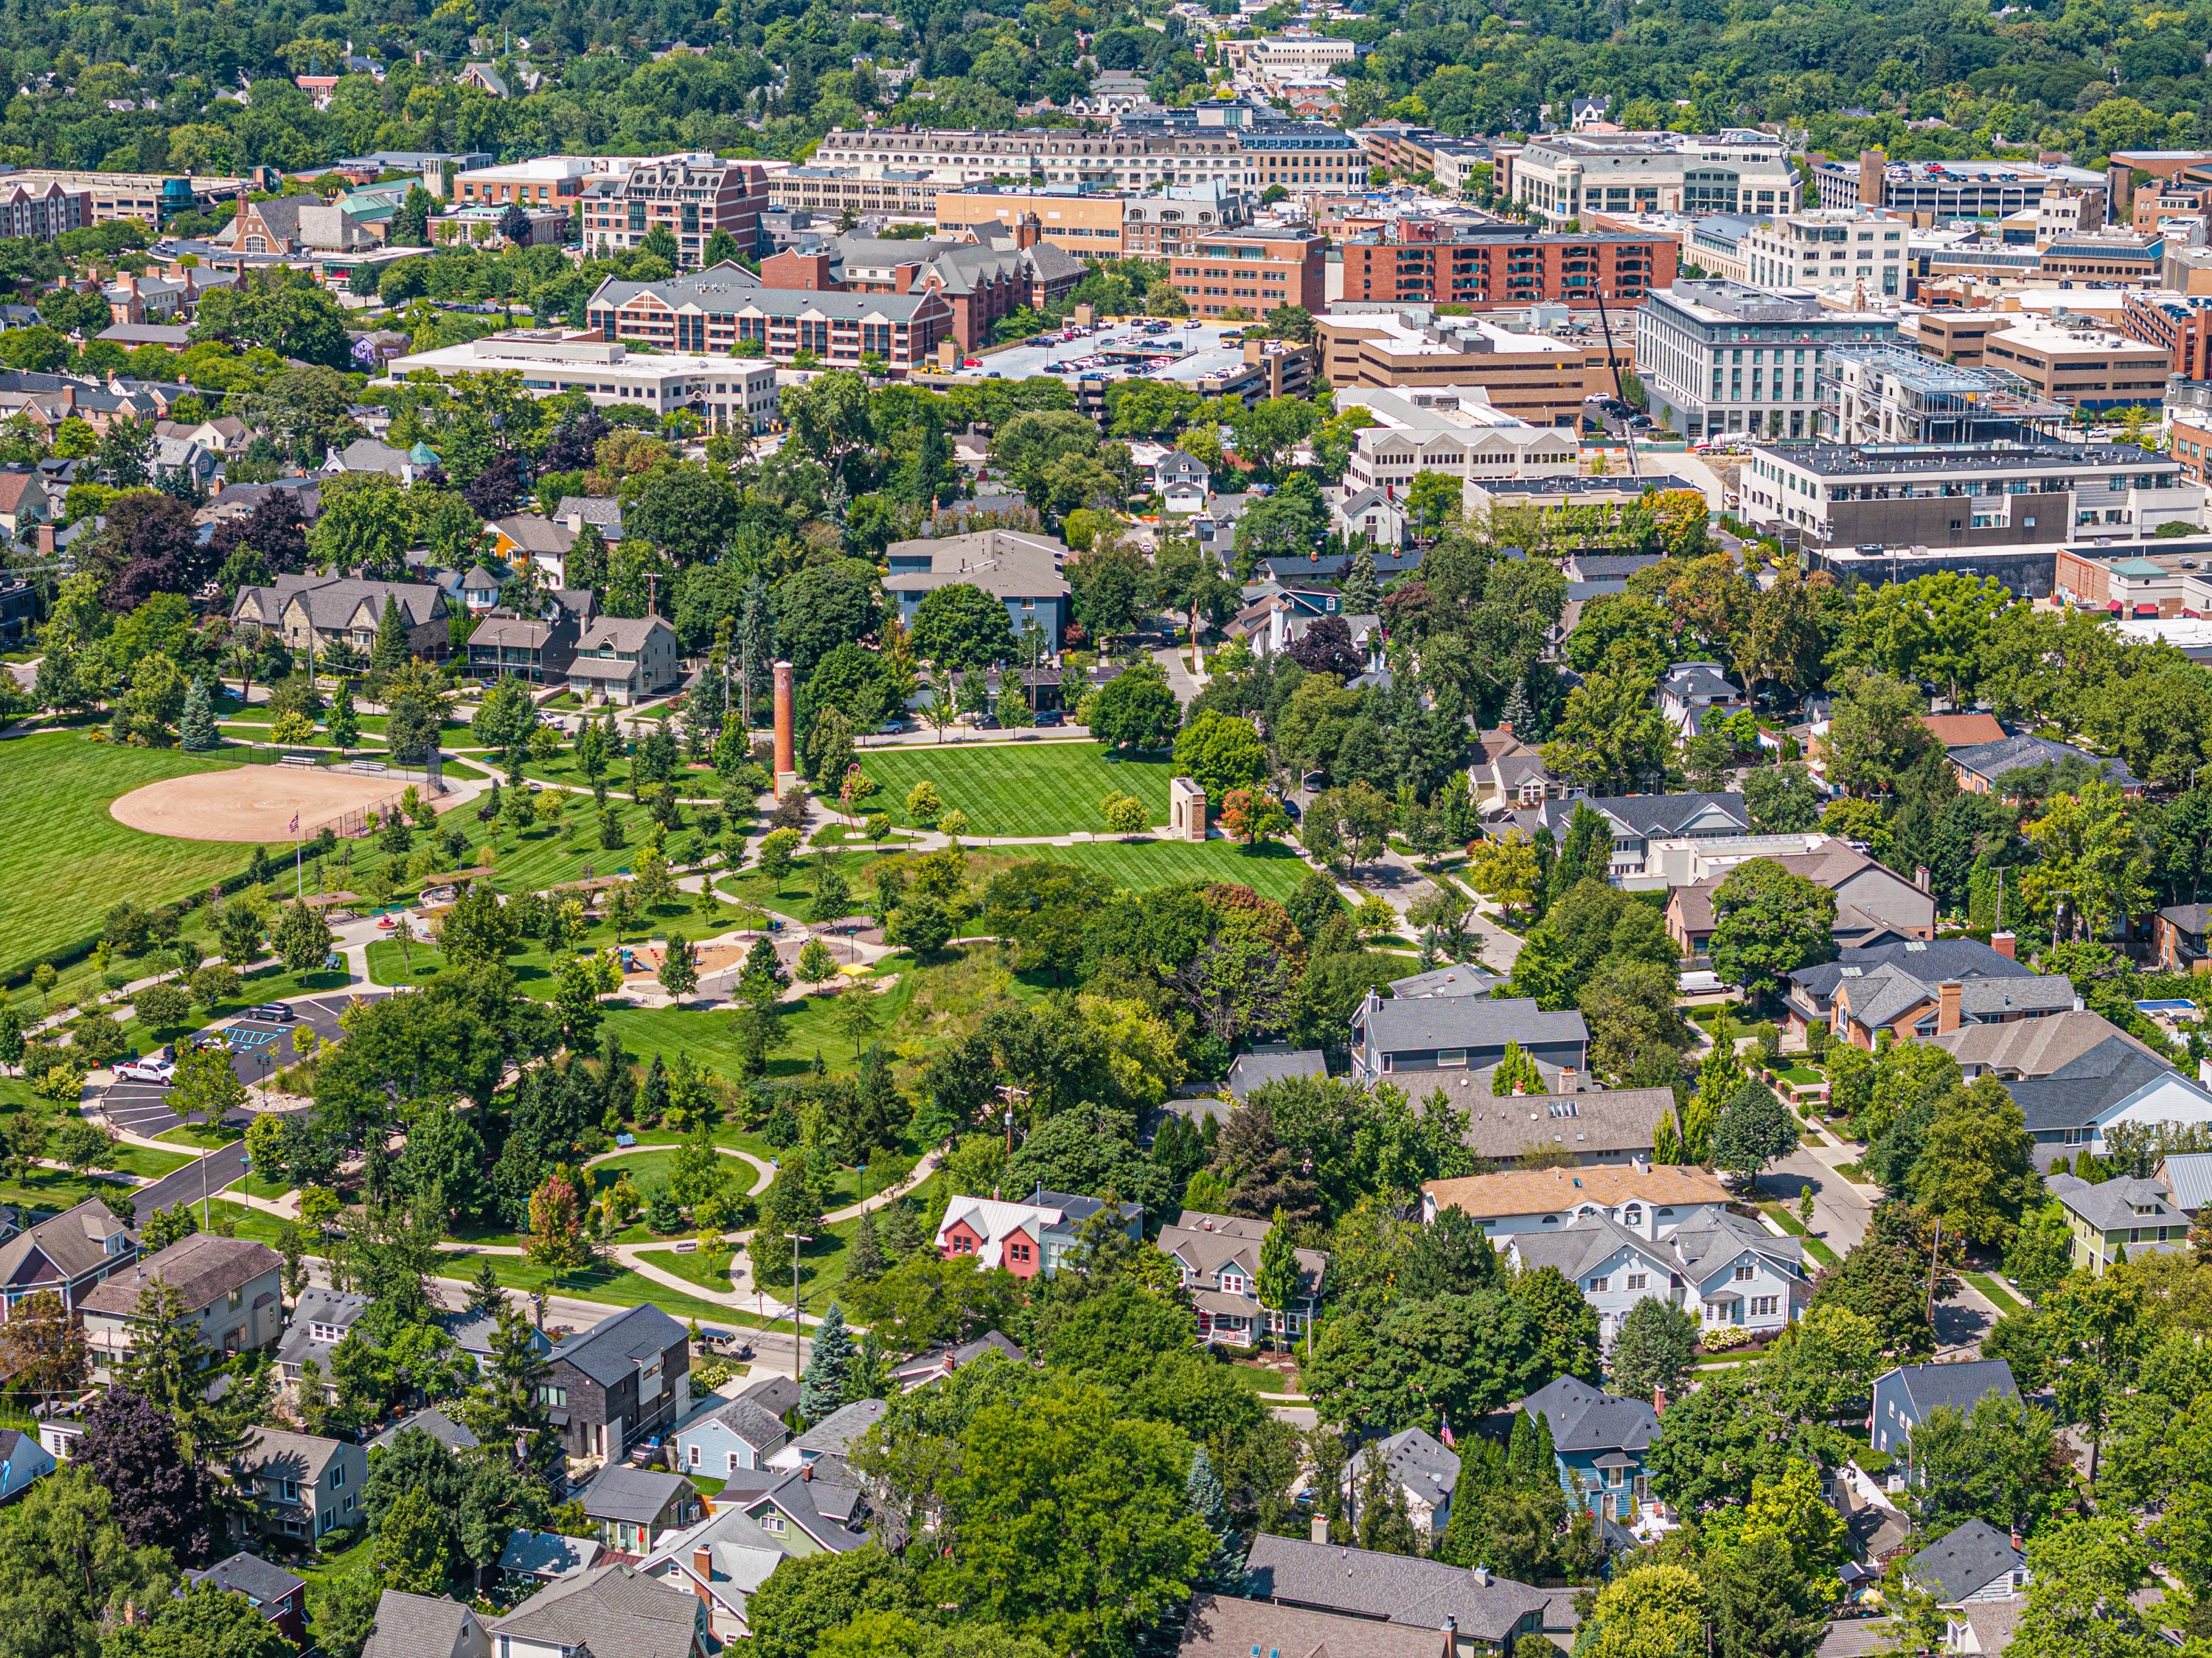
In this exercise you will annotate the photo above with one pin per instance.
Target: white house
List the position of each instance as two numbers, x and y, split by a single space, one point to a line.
1731 1272
1424 1469
1370 515
1695 694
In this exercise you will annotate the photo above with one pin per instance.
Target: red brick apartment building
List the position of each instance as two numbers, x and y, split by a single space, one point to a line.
979 282
1488 268
2177 323
1255 271
694 196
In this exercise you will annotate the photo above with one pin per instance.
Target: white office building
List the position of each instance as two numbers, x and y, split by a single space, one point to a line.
1566 175
728 392
1721 357
1856 252
1452 430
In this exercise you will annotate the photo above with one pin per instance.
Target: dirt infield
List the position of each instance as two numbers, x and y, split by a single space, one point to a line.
250 802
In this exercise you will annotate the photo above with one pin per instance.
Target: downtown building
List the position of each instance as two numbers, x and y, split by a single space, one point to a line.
691 196
715 313
1564 176
1492 267
1719 357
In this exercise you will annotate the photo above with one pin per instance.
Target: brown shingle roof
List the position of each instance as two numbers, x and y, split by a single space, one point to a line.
199 1268
1959 730
1547 1190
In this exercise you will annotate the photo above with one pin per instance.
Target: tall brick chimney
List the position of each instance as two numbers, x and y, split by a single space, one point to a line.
1946 1006
1027 231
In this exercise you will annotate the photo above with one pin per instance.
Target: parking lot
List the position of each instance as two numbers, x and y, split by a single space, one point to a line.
1183 354
258 1049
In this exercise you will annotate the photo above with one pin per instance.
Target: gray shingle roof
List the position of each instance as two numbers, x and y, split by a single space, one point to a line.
2118 1203
1594 1122
2079 1091
1419 1461
1645 816
612 1610
424 1626
1248 1071
251 1576
1933 959
1889 992
1397 1027
1583 1244
433 1422
619 1491
66 1247
2011 754
1220 1626
1583 1419
298 1456
1458 980
614 1346
547 1554
750 1421
1401 1588
834 1434
1960 1386
316 1305
1960 1563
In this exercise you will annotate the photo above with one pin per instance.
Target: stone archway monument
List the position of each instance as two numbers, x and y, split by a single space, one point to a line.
1185 810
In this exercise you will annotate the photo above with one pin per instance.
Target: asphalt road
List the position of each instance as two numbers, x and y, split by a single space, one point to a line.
222 1166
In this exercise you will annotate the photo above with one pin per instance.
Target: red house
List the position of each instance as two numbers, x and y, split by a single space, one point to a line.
1026 1238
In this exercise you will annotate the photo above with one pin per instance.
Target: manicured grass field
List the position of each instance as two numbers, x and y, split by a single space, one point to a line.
1018 788
64 861
1271 871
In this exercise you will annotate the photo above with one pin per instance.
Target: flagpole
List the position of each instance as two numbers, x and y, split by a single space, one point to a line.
298 880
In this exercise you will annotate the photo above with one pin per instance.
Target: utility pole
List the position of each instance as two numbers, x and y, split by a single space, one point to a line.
796 1238
1935 1256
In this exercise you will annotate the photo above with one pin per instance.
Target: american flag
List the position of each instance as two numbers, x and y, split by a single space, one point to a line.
295 823
1443 1430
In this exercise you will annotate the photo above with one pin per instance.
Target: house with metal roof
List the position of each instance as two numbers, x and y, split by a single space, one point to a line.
1904 1397
1599 1444
2071 1108
1437 1034
1028 1238
627 1377
2120 1219
1422 1594
2187 1177
425 1626
1217 1258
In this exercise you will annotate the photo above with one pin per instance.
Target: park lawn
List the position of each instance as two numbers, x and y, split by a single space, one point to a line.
65 861
1272 871
391 966
707 1268
605 1281
709 1035
1018 788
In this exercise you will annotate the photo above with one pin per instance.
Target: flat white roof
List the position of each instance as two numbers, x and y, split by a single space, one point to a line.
2057 338
1412 338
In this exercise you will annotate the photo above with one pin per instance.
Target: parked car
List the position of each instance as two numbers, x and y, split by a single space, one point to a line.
271 1013
1051 717
147 1070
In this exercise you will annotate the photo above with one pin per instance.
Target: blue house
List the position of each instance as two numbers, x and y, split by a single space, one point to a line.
1599 1442
1903 1397
1018 569
740 1435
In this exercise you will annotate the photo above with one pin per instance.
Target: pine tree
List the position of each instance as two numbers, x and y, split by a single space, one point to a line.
485 1295
391 649
1362 594
196 731
901 1230
877 1109
756 646
653 1098
1517 713
866 1262
828 1368
345 724
1481 1475
1521 1463
1223 1569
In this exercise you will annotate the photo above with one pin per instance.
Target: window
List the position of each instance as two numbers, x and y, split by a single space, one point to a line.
338 1475
1743 1274
1764 1306
1451 1059
733 1461
694 1456
1638 1280
1600 1285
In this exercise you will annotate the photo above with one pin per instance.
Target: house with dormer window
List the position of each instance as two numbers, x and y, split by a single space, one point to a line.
624 659
320 1319
1029 1239
65 1256
1217 1259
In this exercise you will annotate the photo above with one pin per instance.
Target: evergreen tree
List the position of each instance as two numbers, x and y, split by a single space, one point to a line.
1518 711
866 1262
1279 1284
828 1368
485 1295
391 649
877 1110
653 1098
1362 594
756 645
1481 1475
1383 1524
343 724
1522 1463
1223 1571
196 731
1586 854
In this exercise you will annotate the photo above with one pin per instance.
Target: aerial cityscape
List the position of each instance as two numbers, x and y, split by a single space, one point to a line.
1334 828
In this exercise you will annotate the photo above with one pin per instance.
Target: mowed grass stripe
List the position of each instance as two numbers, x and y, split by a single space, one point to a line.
1018 788
1271 871
64 861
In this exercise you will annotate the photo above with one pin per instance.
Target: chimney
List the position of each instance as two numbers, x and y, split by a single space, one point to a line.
1566 1080
807 1474
2005 944
1871 162
1482 1576
702 1562
1505 729
1946 1006
46 540
1922 878
1320 1531
1027 231
1659 1399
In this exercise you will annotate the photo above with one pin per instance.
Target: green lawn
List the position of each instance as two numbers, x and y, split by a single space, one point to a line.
532 966
1271 871
64 860
709 1268
1999 1294
1795 1227
1018 788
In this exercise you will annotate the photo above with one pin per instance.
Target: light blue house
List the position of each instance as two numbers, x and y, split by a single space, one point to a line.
1018 569
730 1439
22 1460
1904 1397
1599 1444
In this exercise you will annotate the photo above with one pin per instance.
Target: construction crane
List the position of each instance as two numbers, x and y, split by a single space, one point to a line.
1605 322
